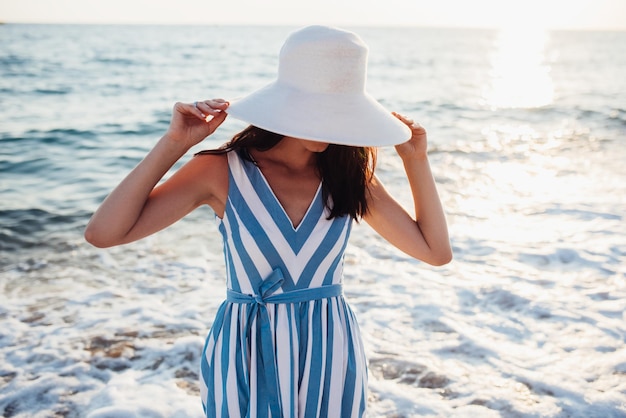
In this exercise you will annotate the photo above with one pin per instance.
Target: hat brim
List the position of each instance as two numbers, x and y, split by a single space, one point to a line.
346 119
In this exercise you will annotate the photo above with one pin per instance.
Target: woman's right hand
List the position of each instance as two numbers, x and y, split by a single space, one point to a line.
192 122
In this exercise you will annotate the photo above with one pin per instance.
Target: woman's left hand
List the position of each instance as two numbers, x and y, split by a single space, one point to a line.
416 146
423 235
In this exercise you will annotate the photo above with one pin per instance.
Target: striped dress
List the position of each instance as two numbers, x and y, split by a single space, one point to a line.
284 343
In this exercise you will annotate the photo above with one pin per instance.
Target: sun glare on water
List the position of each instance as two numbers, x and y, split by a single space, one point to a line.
520 77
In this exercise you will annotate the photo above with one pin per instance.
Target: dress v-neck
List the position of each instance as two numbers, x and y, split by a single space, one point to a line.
278 202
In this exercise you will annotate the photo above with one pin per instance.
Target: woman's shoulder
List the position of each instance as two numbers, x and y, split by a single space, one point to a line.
210 163
211 167
210 172
212 155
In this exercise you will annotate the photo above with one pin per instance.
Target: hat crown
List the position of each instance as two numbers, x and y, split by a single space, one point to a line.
322 59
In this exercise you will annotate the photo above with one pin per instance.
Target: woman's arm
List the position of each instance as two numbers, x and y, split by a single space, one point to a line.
424 237
135 208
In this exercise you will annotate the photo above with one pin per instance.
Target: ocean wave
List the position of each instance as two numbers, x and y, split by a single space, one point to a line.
28 166
28 228
618 115
57 91
56 134
123 62
13 65
62 141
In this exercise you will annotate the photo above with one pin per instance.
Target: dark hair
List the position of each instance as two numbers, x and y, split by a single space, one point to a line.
346 171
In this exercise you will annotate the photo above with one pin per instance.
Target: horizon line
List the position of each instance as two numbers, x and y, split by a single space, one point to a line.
282 24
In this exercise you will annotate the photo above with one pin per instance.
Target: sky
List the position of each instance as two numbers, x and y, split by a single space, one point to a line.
546 14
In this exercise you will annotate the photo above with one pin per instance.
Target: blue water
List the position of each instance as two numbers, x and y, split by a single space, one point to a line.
80 105
527 139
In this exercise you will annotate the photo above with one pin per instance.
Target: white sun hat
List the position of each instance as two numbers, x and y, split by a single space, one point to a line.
320 95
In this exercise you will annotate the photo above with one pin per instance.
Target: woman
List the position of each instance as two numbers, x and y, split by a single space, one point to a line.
285 191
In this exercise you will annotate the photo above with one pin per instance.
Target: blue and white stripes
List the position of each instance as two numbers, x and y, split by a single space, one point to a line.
284 343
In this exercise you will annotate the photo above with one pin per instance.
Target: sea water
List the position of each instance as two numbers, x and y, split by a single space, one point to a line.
526 132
